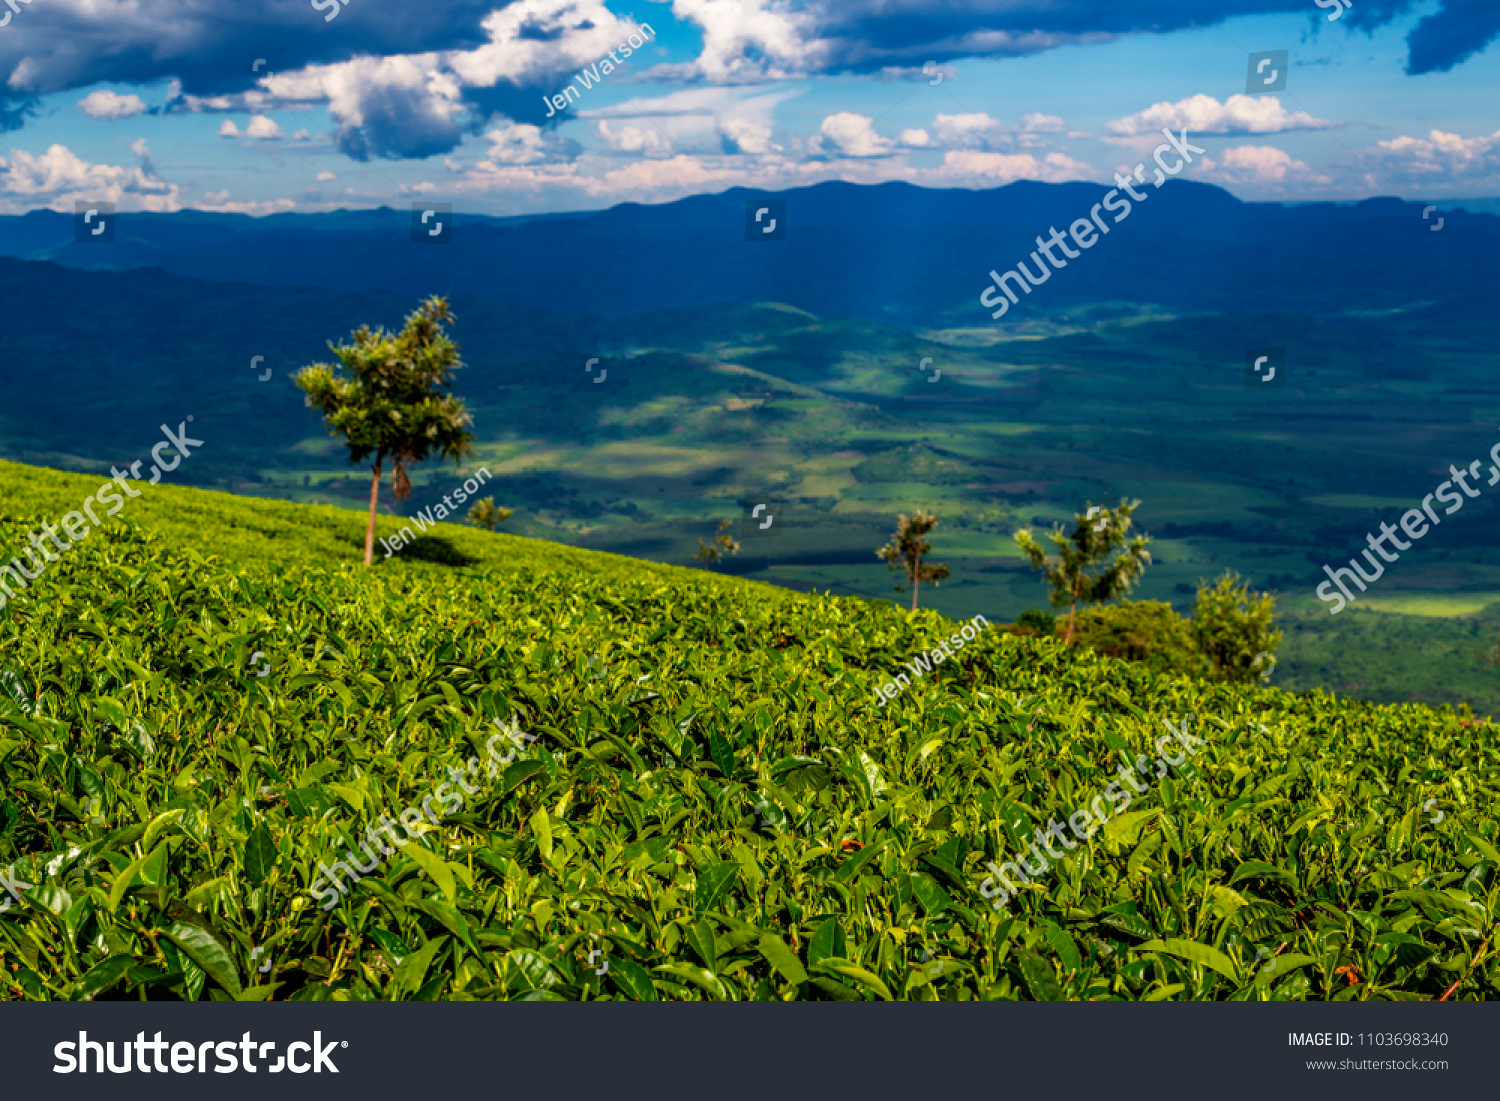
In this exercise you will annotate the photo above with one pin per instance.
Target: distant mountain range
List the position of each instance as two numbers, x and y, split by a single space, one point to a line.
910 256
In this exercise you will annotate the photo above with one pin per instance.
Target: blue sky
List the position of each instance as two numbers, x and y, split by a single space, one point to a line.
158 105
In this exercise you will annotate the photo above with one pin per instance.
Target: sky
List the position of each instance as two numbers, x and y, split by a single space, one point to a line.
265 106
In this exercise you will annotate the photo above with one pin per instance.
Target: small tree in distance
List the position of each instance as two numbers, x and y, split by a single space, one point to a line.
484 514
389 403
906 549
724 544
1099 534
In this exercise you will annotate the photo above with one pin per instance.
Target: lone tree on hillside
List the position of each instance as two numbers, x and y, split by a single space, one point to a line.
722 546
1100 533
906 549
485 514
389 402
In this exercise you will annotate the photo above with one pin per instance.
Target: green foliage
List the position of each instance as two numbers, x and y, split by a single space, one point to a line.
390 403
723 544
1089 549
1234 629
712 805
1040 622
485 514
906 548
1146 631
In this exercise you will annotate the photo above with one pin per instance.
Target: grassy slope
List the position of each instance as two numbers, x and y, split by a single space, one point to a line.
714 804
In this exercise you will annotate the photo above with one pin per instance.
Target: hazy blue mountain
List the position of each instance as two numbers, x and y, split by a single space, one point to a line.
908 255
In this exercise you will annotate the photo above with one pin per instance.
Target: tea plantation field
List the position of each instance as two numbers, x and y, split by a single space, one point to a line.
208 698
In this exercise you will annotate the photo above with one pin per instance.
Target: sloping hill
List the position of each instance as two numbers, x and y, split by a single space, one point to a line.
205 706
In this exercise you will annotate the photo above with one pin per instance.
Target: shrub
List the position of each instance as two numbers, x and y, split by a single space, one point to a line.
1232 628
1147 631
1038 622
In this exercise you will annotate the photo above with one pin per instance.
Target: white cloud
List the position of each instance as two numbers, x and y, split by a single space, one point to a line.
849 135
1439 156
981 169
743 135
749 41
521 143
108 105
220 203
915 139
58 178
324 176
1202 114
1042 124
1259 168
264 129
977 130
971 131
536 42
631 139
730 121
227 129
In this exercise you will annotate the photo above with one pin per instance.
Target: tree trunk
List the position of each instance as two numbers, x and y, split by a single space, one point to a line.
374 500
1071 608
916 580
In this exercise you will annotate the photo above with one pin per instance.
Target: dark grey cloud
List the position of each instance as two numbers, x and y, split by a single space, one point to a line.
874 36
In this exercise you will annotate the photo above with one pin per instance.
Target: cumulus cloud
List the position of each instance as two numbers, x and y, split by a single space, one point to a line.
58 178
979 131
974 168
849 135
732 121
1438 158
220 203
108 105
1263 168
971 131
521 143
264 129
1201 114
476 62
260 128
323 177
744 135
630 139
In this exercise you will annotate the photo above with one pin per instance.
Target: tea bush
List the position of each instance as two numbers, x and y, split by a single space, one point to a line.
713 807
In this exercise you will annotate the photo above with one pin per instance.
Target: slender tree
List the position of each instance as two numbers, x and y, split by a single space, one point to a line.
906 549
1099 533
723 545
485 514
384 398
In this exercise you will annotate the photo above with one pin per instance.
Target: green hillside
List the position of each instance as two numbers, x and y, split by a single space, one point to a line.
700 799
